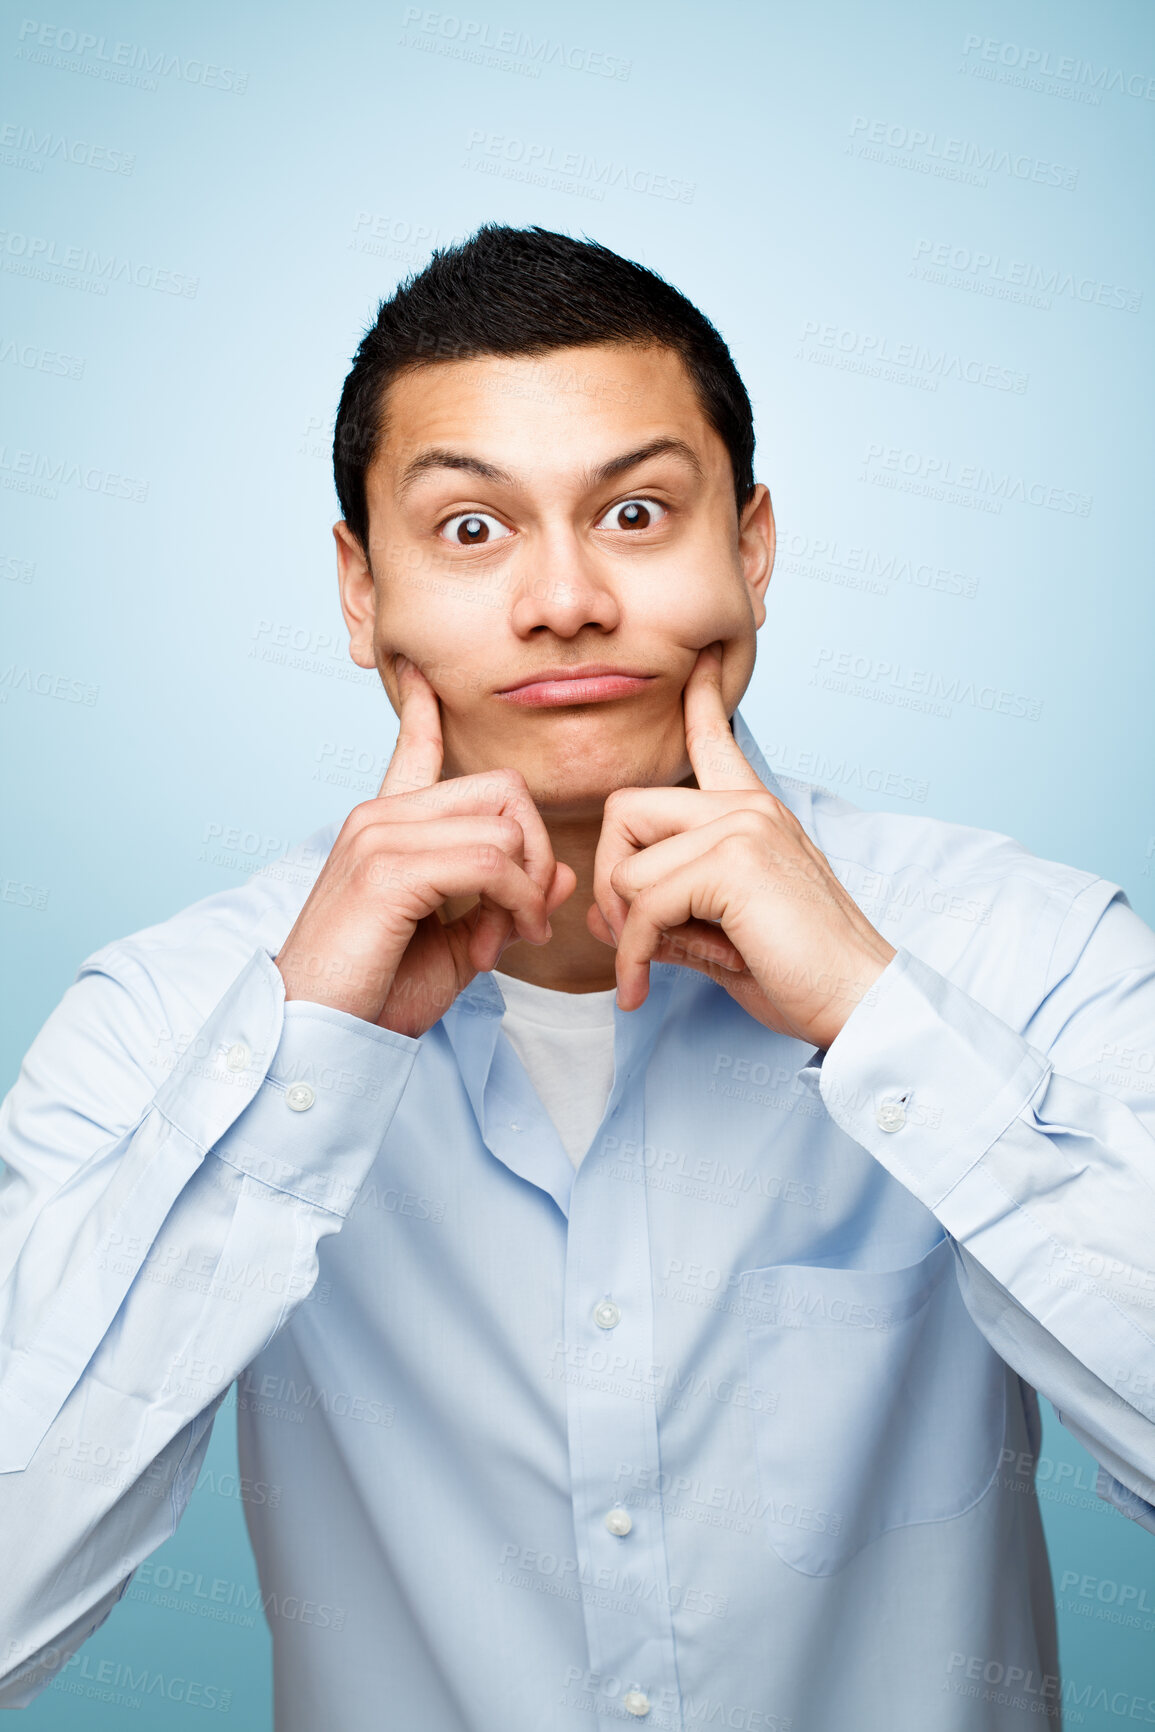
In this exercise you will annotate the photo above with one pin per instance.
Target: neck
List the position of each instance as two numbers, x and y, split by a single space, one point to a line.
573 960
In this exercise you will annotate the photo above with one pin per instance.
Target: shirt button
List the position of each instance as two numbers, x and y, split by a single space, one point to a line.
636 1702
891 1116
607 1315
300 1097
238 1056
618 1522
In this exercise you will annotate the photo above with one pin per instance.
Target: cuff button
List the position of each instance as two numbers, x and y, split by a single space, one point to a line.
891 1116
300 1097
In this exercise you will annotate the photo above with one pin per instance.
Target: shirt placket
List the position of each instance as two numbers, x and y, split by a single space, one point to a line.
613 1392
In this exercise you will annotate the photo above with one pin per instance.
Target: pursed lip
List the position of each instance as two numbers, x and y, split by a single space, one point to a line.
582 671
588 683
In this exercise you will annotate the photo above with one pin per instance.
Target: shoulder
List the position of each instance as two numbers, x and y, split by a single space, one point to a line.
976 904
192 957
134 1013
888 844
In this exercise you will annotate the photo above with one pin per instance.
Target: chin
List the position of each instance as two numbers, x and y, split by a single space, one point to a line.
583 762
583 793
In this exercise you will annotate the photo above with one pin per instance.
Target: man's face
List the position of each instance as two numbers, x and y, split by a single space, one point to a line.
566 512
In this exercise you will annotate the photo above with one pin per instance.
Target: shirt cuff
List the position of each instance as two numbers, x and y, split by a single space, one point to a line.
1126 1501
316 1125
297 1095
925 1078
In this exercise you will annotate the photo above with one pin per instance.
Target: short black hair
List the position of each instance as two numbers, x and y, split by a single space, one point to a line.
524 292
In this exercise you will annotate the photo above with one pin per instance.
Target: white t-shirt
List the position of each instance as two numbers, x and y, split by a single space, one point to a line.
565 1040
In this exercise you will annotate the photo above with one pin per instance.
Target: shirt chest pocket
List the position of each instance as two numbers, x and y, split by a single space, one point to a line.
889 1410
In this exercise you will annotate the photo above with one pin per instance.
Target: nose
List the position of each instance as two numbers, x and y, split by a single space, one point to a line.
565 592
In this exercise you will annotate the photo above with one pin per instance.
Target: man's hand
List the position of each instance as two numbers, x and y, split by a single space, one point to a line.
370 938
790 945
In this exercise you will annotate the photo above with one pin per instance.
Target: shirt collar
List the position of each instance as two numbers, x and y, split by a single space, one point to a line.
484 1005
797 797
472 1023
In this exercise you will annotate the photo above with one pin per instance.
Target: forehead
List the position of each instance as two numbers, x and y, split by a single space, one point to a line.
527 412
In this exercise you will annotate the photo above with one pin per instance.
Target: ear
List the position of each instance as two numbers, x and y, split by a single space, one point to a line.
358 595
757 540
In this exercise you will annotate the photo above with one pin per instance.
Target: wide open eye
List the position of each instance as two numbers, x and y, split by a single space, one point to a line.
473 529
633 514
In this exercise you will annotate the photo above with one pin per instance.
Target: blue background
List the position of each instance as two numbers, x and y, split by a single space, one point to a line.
924 231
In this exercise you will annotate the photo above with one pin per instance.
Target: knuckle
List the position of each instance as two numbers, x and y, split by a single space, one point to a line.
770 810
621 878
500 787
643 902
359 817
376 872
701 735
734 848
488 857
367 839
507 835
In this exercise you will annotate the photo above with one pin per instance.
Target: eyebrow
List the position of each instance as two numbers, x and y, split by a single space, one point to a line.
630 459
439 457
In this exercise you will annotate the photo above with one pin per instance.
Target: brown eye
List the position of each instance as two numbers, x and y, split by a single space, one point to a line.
633 514
473 529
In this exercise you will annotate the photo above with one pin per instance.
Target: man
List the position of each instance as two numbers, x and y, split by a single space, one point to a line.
638 1199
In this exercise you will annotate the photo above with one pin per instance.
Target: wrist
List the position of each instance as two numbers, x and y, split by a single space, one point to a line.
319 980
853 987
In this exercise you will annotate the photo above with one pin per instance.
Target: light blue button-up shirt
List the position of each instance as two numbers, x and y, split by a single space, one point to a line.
733 1426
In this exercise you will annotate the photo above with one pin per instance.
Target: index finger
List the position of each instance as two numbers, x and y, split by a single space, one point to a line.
716 758
419 751
639 819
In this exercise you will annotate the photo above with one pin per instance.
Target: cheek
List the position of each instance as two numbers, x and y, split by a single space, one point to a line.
696 601
711 603
443 635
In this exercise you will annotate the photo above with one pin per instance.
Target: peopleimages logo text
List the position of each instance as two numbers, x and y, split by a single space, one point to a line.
916 142
996 486
573 167
43 257
1067 68
120 62
539 51
1018 274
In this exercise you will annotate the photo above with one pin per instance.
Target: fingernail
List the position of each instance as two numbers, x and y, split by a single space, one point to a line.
401 662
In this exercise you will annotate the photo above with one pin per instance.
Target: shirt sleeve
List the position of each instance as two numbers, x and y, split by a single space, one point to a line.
1036 1151
152 1241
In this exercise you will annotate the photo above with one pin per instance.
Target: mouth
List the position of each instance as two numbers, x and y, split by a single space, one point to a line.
591 683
